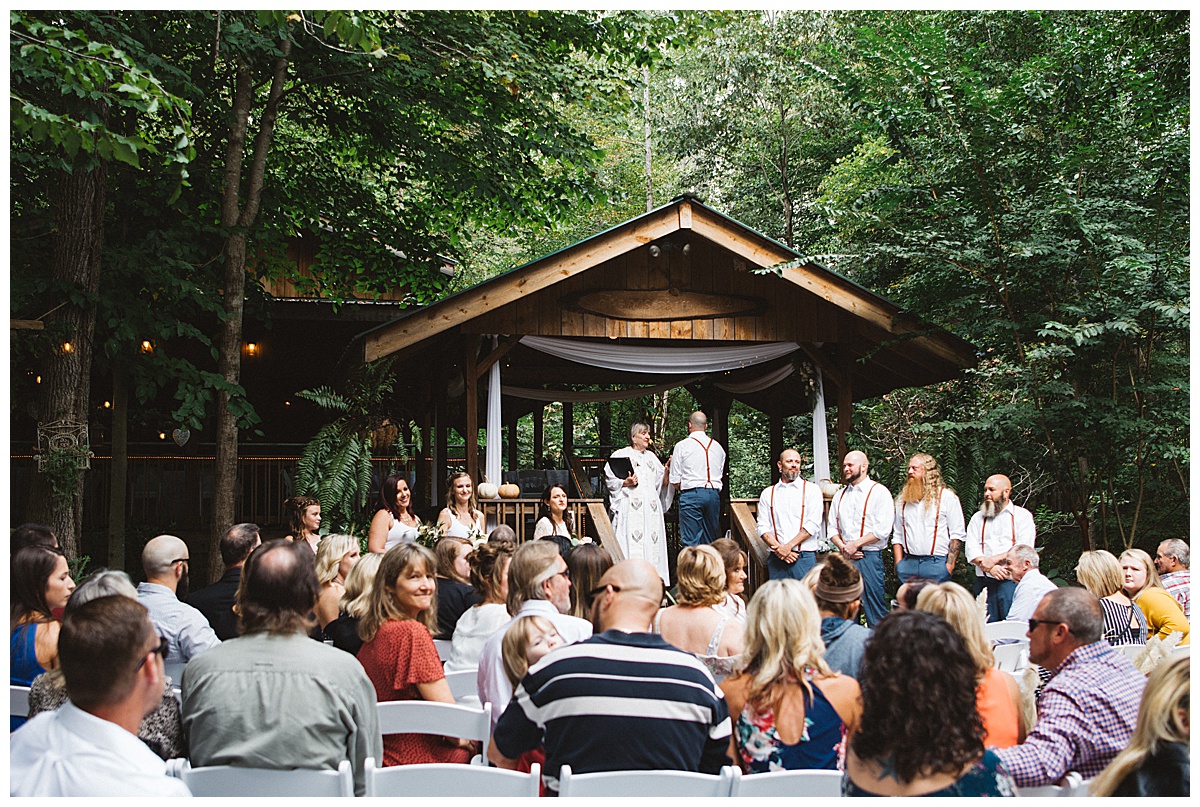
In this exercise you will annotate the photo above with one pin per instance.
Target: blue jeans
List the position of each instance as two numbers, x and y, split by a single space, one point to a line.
1000 596
699 514
778 570
930 567
870 566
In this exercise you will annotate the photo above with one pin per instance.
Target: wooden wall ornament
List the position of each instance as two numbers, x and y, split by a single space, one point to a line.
657 306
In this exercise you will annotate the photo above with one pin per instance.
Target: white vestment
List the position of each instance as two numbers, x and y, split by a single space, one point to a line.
637 512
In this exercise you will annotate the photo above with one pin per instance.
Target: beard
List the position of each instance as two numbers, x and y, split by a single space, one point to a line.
914 490
992 509
788 476
181 590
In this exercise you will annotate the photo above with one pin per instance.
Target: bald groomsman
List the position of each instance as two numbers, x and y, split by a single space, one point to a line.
697 465
861 516
929 528
789 519
996 528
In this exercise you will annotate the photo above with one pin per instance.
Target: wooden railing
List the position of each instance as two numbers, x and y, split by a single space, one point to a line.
590 517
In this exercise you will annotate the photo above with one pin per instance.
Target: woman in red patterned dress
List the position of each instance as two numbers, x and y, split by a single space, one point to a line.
398 652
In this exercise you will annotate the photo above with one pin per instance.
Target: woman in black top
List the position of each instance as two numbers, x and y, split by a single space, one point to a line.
454 591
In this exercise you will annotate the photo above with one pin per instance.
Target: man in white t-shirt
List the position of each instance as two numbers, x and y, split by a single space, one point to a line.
112 665
697 468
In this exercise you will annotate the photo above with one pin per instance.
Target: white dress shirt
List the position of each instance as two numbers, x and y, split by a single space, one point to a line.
1033 586
693 467
990 536
492 681
186 630
69 752
846 514
786 507
924 530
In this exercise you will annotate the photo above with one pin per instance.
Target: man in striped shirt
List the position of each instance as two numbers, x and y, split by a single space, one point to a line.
621 700
1089 707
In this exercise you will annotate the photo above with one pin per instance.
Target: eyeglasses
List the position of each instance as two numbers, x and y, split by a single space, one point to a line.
179 560
598 590
1033 623
162 650
565 573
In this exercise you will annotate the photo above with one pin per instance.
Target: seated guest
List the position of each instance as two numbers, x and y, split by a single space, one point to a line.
526 642
39 582
216 601
343 631
838 592
113 667
162 729
399 655
165 559
273 698
790 711
1164 614
587 563
649 706
1099 572
1022 564
538 585
997 696
336 556
736 563
454 592
906 595
1088 709
906 745
1173 563
1157 760
304 519
692 624
31 534
505 536
489 576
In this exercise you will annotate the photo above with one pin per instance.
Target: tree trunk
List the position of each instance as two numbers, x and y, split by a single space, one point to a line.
66 388
237 219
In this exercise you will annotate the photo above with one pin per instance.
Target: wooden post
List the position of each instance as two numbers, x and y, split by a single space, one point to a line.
441 425
604 426
471 408
845 405
425 486
568 429
514 454
776 435
720 431
120 467
539 434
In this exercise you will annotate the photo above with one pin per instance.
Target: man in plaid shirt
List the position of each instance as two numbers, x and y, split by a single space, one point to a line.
1089 707
1173 561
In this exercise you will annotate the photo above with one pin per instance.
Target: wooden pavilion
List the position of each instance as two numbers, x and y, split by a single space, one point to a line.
683 275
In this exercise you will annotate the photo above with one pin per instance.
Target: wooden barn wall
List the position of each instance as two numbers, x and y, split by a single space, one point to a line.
792 313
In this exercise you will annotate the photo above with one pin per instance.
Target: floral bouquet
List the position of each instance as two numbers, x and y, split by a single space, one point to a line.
428 535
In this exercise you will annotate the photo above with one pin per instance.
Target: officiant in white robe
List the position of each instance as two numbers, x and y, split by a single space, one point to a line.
638 502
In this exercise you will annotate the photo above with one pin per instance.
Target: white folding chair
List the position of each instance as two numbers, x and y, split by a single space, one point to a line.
443 649
644 784
441 719
1008 629
227 780
1073 785
1011 657
463 684
18 701
786 783
444 779
176 766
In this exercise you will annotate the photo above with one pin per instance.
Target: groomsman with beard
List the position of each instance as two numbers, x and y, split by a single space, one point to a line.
929 527
996 528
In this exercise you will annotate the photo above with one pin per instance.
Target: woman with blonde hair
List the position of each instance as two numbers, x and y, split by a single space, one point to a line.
1156 761
790 711
398 653
461 517
336 556
1099 572
692 624
1164 614
997 696
343 631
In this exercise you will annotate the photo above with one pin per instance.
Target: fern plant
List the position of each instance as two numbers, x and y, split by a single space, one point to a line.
335 466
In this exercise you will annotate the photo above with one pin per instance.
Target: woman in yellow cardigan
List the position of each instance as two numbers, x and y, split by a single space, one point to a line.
1163 614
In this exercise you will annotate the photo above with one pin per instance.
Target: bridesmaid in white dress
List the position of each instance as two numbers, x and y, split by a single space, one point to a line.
395 522
461 516
639 501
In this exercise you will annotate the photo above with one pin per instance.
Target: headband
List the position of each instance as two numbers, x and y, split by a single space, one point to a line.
838 593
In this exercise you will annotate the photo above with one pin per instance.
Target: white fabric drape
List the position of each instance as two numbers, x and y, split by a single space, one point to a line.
761 383
638 359
492 460
820 435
